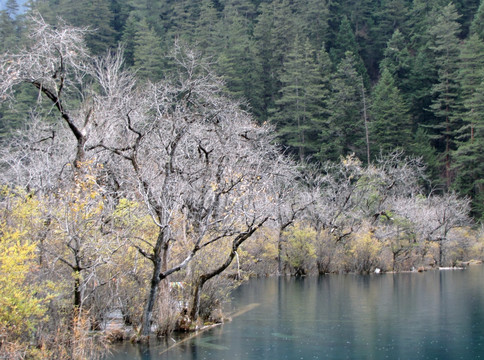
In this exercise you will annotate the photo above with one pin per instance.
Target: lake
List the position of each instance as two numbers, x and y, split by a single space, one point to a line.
431 315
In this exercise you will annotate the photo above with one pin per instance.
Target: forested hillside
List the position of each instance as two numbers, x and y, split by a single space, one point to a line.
155 154
335 78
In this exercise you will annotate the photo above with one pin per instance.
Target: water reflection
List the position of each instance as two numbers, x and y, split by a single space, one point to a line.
436 315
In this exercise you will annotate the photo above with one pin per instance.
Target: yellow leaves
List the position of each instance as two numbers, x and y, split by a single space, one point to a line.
300 247
20 306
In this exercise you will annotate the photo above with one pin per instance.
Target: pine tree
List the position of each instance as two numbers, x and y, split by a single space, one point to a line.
346 42
128 38
11 6
237 61
470 76
477 25
274 34
390 120
184 15
343 132
8 33
314 17
298 108
148 55
445 45
263 48
469 156
95 14
397 59
420 147
208 33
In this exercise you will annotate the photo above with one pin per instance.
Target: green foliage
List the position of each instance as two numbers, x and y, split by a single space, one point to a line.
343 131
445 45
390 120
477 25
397 59
298 108
237 60
147 53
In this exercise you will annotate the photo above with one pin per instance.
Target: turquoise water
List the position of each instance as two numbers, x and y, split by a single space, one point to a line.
432 315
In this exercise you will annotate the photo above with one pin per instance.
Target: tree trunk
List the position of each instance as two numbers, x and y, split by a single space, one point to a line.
77 289
202 279
279 253
365 119
150 302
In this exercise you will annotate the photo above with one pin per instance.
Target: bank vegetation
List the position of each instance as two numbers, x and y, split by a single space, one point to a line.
153 200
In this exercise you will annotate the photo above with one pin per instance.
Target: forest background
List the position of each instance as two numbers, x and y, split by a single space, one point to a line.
308 67
377 107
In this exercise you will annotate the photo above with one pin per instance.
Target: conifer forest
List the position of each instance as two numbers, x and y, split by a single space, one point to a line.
156 154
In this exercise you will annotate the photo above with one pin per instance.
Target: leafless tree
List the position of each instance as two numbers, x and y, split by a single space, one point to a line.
433 217
190 152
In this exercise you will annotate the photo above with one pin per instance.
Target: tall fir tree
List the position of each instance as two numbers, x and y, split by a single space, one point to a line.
148 56
477 25
208 34
397 60
274 34
8 32
314 17
237 61
95 14
445 45
343 131
346 42
391 125
469 156
298 109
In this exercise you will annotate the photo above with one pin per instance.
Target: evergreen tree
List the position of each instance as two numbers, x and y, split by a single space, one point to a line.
148 55
346 42
263 47
477 25
283 33
274 34
471 63
314 17
8 32
128 38
298 108
237 61
184 15
390 120
11 6
469 157
445 45
397 59
208 33
49 9
343 132
245 8
420 147
391 17
95 14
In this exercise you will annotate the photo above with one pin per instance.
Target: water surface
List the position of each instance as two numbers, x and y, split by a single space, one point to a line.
432 315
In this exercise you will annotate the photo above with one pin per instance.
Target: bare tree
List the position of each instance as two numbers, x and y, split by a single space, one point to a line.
189 151
433 217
